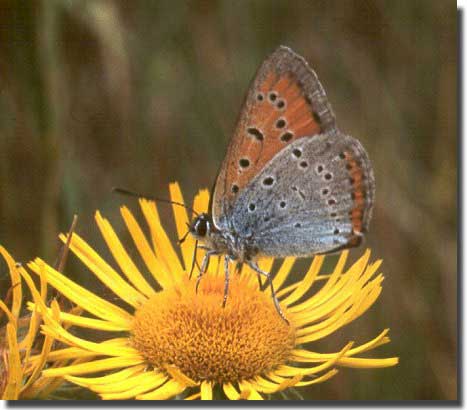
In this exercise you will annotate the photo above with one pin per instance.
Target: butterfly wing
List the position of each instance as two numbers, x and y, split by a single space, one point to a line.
285 102
315 196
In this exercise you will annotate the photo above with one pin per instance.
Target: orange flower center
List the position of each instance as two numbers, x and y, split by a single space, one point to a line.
208 342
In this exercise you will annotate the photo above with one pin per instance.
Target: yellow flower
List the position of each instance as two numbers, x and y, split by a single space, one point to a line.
20 374
170 341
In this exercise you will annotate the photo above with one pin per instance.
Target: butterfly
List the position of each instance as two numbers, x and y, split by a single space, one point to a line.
291 183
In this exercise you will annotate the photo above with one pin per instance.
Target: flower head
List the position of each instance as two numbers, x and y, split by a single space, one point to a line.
171 340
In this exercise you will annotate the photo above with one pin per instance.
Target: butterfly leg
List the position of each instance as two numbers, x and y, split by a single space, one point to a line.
260 284
256 268
194 261
204 266
226 281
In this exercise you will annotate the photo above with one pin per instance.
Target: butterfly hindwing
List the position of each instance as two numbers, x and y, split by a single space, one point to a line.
286 102
314 196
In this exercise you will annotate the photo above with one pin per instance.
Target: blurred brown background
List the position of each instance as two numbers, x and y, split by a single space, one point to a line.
98 94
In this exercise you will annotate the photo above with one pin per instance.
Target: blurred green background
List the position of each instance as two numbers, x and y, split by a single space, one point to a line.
97 94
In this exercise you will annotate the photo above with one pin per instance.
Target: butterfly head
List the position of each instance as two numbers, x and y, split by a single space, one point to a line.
202 226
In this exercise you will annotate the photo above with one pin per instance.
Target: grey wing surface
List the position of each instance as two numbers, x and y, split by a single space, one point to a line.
314 196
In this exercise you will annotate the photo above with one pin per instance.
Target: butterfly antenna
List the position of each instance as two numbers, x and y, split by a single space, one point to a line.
151 198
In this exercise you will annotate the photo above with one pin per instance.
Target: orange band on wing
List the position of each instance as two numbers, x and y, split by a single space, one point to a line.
358 192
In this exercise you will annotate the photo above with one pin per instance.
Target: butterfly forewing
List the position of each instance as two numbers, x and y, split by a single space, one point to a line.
286 102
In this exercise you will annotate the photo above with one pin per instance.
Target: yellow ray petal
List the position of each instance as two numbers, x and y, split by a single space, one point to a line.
46 348
206 390
27 342
104 272
342 293
168 390
337 288
289 382
306 282
283 273
86 322
53 328
135 391
195 396
155 266
76 352
247 386
15 282
265 264
230 391
122 258
14 380
325 290
265 386
179 376
110 378
367 363
288 289
11 318
43 387
82 297
64 354
350 308
201 202
182 222
320 379
160 241
94 366
338 319
308 356
290 371
149 378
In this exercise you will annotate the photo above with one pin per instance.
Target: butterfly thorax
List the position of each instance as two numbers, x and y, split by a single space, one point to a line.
222 241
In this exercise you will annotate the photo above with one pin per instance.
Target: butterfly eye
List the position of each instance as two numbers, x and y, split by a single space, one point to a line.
201 227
